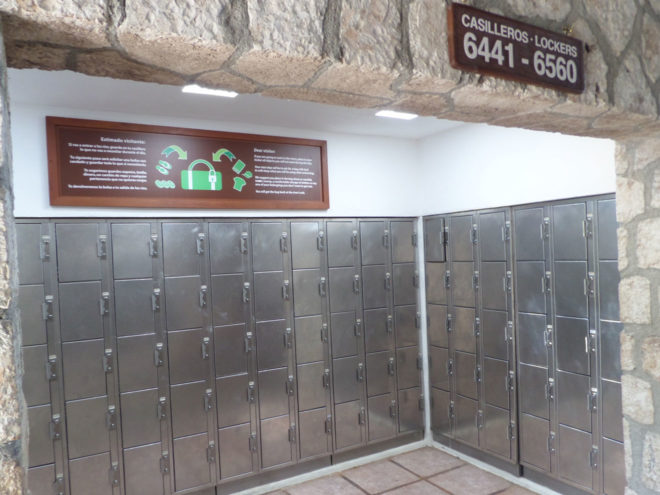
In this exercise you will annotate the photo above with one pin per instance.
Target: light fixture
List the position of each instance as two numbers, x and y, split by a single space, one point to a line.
199 90
396 115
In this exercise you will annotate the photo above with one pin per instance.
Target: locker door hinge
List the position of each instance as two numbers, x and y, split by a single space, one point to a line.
165 463
590 284
206 342
477 374
588 226
420 362
389 324
44 248
547 336
447 279
284 242
545 228
451 409
550 389
475 280
107 361
593 457
158 355
477 327
551 442
200 241
418 320
356 284
320 241
252 442
511 431
161 408
55 427
208 399
290 386
51 368
508 286
480 419
47 308
323 287
420 403
359 372
354 239
202 296
508 332
285 290
362 416
250 393
357 328
386 238
592 400
155 300
328 424
474 237
58 485
244 243
153 245
246 292
390 366
509 381
506 231
292 433
414 239
393 410
210 453
388 281
288 338
324 332
111 418
450 367
114 474
326 378
449 320
102 246
416 280
248 342
104 303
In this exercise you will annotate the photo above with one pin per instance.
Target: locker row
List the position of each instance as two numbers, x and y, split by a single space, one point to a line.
184 354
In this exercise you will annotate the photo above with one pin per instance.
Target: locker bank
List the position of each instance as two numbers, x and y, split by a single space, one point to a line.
469 304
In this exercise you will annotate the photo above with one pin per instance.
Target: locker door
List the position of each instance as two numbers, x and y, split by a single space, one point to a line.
434 241
28 239
532 387
36 387
142 470
376 282
574 456
273 396
464 330
342 242
573 400
534 433
492 280
530 280
495 333
613 459
136 363
311 390
462 274
348 374
405 277
78 252
572 343
374 242
87 432
410 417
275 442
529 235
382 410
310 337
532 348
184 299
188 414
496 431
610 350
406 366
314 436
496 382
235 453
273 344
344 289
437 325
228 299
405 318
134 312
346 332
436 289
466 420
348 424
267 246
403 249
612 423
439 358
308 292
80 317
492 242
570 288
90 475
228 247
305 244
568 231
608 284
270 293
185 354
40 447
233 400
40 480
33 327
191 466
139 423
460 237
378 330
131 256
83 369
231 350
380 373
607 241
465 365
440 418
182 248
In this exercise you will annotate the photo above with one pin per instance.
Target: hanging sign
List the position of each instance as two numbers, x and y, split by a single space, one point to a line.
501 47
95 163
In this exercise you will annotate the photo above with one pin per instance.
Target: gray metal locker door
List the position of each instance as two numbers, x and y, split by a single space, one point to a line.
466 420
140 424
233 400
185 354
378 330
83 369
607 241
464 330
33 326
273 396
491 236
570 288
375 286
374 242
311 392
28 240
608 293
532 388
495 334
134 312
191 466
346 379
532 348
610 360
465 366
568 231
274 340
410 416
496 382
406 367
310 339
436 288
142 470
275 444
460 237
231 352
529 235
380 373
305 244
228 302
130 250
266 246
235 453
462 281
188 414
40 447
80 316
440 420
183 296
437 325
346 332
315 438
574 456
530 280
438 366
78 252
573 400
342 242
405 319
613 463
180 253
434 239
343 285
136 368
493 285
405 290
572 343
90 475
228 247
534 433
308 292
403 250
40 480
382 413
496 431
612 414
348 428
36 386
87 432
270 295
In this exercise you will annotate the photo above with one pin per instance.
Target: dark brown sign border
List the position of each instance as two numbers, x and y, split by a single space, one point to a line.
59 198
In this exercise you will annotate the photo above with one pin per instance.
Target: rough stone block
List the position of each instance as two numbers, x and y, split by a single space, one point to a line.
322 96
615 19
423 104
631 90
655 190
623 158
651 461
647 152
356 80
12 476
648 243
112 64
10 424
627 351
29 56
275 69
496 98
546 121
627 456
555 10
622 243
637 399
629 199
635 300
651 47
595 68
221 79
650 353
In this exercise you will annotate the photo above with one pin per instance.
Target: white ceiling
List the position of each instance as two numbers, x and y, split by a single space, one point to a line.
72 90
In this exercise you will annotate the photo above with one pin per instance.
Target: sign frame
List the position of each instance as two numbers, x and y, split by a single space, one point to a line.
58 196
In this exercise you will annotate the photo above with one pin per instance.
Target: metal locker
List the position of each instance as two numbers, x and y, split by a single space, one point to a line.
137 370
496 434
344 289
493 285
534 440
276 441
464 329
374 242
405 284
28 239
228 244
78 250
183 246
140 424
188 413
608 293
134 311
440 414
274 342
532 284
80 316
142 470
610 350
462 283
273 393
235 450
229 299
572 341
132 250
607 240
460 237
348 375
185 298
83 371
311 335
342 242
496 382
268 244
434 239
612 422
436 283
306 244
569 231
614 482
571 287
407 367
529 234
466 373
40 480
403 233
382 417
312 392
492 236
90 475
533 337
271 291
187 349
40 447
308 292
439 367
437 325
410 415
376 282
405 319
574 400
378 330
30 301
533 390
234 394
87 430
36 387
232 349
465 421
574 453
496 333
191 464
315 431
346 331
380 373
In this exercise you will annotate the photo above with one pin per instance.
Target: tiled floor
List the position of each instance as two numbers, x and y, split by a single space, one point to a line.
425 471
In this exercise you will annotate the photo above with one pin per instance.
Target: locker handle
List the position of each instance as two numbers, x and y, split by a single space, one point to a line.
476 327
246 292
44 248
244 243
326 378
284 244
153 245
586 344
51 368
508 286
111 418
449 323
550 389
155 300
248 342
104 303
161 408
199 243
362 416
356 284
475 280
165 463
322 287
357 328
288 344
158 355
285 290
447 279
290 389
328 424
354 239
360 372
250 392
252 442
208 399
47 308
55 427
393 411
390 366
102 246
206 341
388 281
324 332
547 336
292 433
390 324
320 241
107 361
386 239
202 296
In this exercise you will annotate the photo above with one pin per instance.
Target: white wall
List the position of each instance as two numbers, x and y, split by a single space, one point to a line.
481 166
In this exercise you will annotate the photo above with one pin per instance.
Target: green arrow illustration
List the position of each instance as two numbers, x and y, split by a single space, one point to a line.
173 148
217 156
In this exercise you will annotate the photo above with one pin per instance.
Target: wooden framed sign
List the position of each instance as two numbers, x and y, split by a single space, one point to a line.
96 163
491 44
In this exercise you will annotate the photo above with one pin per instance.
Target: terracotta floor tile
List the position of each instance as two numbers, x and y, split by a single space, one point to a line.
517 490
419 488
330 485
469 480
427 461
380 476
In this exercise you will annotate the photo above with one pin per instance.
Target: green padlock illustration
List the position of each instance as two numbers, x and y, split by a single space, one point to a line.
201 180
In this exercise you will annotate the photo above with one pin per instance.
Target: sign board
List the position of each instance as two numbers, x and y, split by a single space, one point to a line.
501 47
95 163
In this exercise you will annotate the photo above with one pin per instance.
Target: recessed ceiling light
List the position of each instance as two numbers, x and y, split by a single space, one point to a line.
198 90
396 115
